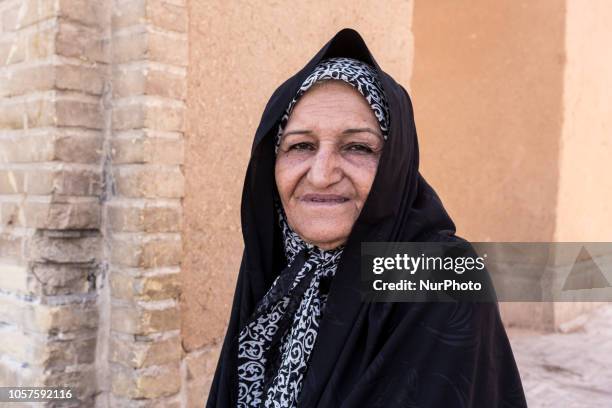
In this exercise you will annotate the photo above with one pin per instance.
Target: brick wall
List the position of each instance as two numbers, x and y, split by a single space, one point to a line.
91 186
53 56
143 213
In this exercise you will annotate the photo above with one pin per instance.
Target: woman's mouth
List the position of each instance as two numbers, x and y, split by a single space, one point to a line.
323 199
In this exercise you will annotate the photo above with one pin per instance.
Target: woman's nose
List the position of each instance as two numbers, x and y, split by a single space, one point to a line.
325 168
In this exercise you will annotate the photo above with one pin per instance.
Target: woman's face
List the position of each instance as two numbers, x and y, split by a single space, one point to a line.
326 162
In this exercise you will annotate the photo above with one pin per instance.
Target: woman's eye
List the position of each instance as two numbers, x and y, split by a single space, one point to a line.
301 146
359 148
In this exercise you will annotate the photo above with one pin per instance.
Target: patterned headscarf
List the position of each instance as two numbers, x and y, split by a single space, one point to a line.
275 346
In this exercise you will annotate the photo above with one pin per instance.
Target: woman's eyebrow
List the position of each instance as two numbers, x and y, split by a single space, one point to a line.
298 132
360 130
345 132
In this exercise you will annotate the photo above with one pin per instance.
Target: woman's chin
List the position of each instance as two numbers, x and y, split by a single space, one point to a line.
329 245
325 234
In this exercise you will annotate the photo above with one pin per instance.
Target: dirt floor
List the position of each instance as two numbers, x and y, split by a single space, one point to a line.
567 369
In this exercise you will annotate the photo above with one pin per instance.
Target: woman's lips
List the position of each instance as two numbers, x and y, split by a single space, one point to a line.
323 199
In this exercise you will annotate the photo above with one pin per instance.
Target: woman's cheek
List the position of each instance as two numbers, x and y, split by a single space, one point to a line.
363 162
362 171
288 172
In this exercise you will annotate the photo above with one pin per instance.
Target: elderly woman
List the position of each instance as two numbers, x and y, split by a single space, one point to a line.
334 164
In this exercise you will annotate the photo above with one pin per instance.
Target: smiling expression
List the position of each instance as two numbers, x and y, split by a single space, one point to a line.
326 162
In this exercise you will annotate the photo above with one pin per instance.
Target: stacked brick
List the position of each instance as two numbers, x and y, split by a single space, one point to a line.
143 212
53 56
92 106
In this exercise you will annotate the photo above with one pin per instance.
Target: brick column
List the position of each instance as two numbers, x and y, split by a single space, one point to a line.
53 57
144 208
91 186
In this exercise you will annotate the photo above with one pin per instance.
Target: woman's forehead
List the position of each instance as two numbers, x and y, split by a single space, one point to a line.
332 105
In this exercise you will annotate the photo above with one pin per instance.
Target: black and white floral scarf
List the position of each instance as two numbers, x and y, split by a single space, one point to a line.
275 346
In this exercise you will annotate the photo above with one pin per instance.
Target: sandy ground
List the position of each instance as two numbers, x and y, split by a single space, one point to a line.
567 370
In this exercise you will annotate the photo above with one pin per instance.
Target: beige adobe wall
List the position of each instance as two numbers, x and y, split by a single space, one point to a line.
487 87
514 124
585 180
584 209
238 56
